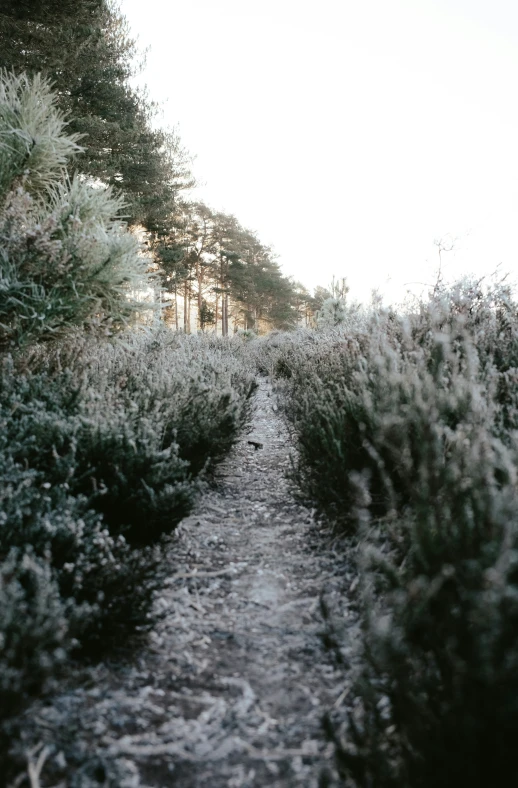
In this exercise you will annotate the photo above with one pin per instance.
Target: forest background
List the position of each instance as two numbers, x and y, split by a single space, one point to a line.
214 273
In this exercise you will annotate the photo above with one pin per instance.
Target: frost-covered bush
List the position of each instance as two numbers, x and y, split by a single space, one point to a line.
439 688
332 313
352 394
489 315
140 419
319 382
34 147
102 448
33 628
124 428
102 444
65 256
108 585
406 439
279 353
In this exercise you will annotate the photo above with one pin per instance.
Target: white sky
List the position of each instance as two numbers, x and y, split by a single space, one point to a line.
348 133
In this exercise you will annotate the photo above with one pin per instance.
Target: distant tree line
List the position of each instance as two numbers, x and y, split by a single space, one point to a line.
206 259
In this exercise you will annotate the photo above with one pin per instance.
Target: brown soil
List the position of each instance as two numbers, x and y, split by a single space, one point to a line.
232 687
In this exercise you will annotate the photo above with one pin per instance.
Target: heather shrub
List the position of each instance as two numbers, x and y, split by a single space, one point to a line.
273 353
129 426
204 392
104 443
103 446
322 399
33 628
406 440
358 398
280 354
438 690
109 586
489 314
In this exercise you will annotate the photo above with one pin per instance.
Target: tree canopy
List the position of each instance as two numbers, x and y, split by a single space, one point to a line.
86 50
210 257
207 258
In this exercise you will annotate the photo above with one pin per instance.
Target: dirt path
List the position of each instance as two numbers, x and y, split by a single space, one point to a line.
232 691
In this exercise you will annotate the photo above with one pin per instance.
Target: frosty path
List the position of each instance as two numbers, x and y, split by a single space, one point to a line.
232 690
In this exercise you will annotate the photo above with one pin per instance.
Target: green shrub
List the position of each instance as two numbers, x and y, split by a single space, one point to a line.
322 399
101 450
33 628
274 353
128 426
108 585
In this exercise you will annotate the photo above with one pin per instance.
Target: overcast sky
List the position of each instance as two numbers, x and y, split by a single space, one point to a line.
350 134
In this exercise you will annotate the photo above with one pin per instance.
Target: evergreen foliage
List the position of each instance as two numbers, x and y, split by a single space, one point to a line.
407 439
34 148
103 447
65 256
206 254
86 51
33 628
103 444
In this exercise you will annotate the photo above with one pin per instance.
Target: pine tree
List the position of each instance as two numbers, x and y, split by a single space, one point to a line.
86 50
65 256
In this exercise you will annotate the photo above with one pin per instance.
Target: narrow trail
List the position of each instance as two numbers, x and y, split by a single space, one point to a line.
231 691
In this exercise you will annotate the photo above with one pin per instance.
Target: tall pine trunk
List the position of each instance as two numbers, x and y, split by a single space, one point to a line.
199 278
225 315
185 307
221 281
